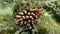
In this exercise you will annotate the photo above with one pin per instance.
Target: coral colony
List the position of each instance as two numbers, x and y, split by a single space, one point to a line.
28 18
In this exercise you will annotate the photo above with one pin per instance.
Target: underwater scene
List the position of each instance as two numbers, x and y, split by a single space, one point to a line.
29 16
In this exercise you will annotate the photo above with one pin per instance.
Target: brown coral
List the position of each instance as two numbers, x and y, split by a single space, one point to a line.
28 18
